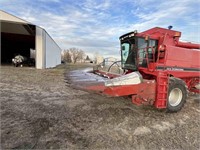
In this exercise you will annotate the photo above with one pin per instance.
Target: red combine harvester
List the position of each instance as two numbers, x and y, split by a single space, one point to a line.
158 69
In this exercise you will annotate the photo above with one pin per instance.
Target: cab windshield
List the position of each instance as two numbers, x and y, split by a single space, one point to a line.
128 54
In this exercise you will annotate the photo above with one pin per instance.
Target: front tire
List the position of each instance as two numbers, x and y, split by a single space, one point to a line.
177 94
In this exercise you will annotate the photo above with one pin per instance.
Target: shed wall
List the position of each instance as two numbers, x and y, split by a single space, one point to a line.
53 52
40 48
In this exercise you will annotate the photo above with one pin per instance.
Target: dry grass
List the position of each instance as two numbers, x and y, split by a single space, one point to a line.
39 110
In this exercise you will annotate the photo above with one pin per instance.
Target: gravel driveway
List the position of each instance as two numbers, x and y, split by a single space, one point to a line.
39 110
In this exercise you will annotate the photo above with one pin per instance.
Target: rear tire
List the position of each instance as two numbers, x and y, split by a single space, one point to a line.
177 94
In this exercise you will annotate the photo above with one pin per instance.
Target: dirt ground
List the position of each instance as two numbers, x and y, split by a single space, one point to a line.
39 110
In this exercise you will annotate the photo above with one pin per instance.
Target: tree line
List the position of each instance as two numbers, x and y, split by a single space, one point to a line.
73 55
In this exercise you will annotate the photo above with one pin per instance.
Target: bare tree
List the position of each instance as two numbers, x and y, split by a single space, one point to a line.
87 58
98 58
77 54
66 57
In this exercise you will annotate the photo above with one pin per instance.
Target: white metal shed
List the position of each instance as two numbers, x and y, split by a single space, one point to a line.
20 36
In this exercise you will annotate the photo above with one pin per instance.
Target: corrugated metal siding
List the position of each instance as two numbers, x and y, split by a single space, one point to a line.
53 52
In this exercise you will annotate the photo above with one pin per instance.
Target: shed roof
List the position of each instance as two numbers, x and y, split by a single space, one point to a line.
8 17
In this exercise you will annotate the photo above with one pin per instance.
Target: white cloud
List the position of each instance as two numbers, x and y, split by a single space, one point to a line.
92 5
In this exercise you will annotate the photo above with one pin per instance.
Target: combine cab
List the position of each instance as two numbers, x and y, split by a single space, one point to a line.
159 70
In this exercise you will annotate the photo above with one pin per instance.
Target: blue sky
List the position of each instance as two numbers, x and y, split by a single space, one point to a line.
95 25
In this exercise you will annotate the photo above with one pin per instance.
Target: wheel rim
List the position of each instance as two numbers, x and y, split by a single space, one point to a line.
175 97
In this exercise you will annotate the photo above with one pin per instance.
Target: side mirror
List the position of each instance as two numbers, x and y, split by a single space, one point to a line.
162 48
146 38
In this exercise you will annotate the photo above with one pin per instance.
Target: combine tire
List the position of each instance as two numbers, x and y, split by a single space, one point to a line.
177 94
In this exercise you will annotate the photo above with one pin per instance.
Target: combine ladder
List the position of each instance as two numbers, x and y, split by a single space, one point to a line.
161 90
